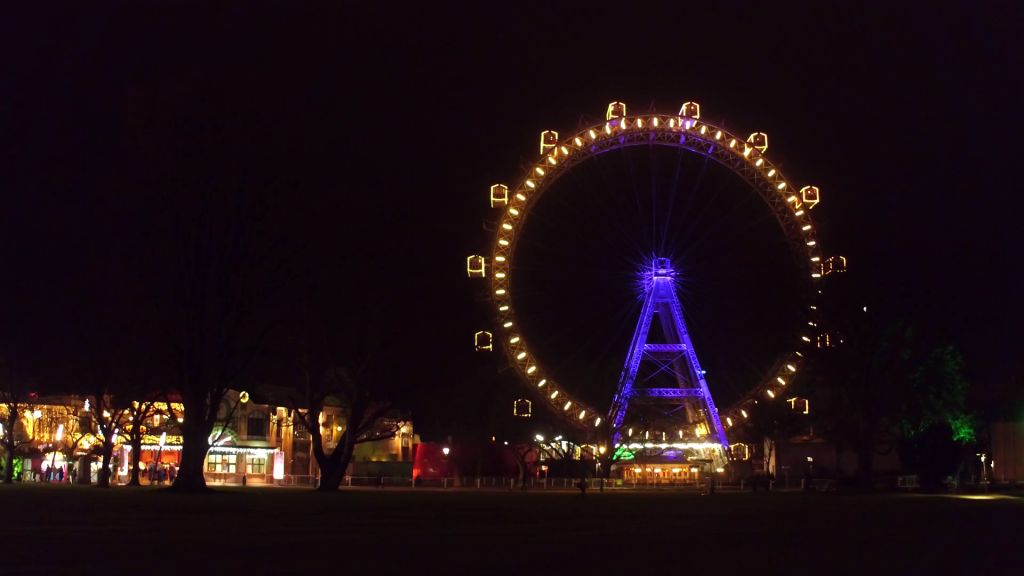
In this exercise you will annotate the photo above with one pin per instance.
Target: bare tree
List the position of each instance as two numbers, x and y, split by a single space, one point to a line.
366 418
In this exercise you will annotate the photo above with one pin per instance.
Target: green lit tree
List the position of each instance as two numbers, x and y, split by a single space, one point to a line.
881 384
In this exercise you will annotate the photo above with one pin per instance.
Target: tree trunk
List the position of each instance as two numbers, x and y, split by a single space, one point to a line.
103 479
136 443
191 476
9 465
333 467
331 476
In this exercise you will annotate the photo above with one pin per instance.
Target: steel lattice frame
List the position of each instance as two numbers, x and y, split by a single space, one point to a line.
669 130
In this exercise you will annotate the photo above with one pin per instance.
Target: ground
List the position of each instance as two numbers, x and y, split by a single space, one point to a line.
81 530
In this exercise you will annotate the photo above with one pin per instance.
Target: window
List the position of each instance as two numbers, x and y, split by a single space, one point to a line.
256 425
256 465
221 463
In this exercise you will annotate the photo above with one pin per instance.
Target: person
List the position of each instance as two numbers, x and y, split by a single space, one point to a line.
172 473
60 475
582 485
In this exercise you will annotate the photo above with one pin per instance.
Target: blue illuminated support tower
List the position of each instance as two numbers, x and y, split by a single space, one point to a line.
663 399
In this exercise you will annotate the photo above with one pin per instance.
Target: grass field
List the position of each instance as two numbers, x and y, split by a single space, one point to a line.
85 530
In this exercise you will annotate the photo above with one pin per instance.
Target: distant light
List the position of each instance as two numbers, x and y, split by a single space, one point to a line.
446 450
865 308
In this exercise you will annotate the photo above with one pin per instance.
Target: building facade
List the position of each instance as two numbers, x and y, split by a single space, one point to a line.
258 443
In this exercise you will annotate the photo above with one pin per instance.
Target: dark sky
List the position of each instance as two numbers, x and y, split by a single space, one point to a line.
371 136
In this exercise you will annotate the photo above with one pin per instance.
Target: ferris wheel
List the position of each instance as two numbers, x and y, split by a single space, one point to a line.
681 413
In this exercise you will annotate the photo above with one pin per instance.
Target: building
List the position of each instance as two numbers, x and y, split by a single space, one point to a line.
257 443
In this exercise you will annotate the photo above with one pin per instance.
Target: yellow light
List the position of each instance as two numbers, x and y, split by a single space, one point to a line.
476 266
531 369
503 308
623 124
718 135
811 196
780 380
816 275
781 185
805 338
513 211
591 133
499 274
567 405
639 122
759 162
798 213
521 355
655 121
500 291
746 151
744 413
539 171
582 415
506 226
598 421
607 128
759 140
703 130
629 432
554 394
499 258
637 470
770 393
615 110
806 227
548 139
503 242
728 420
552 161
499 195
507 324
791 368
542 383
732 143
531 185
577 141
483 340
565 151
520 197
811 242
771 172
791 199
690 109
513 339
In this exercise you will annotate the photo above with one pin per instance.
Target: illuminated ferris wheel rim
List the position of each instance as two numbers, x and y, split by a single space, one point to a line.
744 157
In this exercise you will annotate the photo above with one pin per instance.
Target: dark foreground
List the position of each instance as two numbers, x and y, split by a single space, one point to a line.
84 530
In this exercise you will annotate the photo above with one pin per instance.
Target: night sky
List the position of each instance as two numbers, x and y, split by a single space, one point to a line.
368 139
